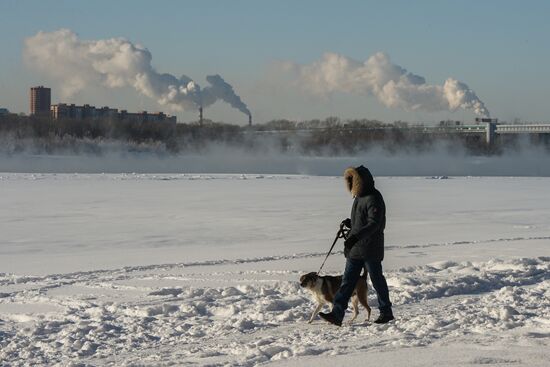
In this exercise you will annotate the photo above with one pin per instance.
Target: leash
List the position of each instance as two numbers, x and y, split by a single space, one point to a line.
342 233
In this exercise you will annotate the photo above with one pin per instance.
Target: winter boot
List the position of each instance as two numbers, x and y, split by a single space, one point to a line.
329 317
384 318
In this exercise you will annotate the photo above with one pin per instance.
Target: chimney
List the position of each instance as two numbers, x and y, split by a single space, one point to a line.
250 120
200 115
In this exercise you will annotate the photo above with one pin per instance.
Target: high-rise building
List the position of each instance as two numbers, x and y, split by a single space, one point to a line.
40 101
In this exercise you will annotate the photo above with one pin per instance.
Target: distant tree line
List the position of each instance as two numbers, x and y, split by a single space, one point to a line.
327 137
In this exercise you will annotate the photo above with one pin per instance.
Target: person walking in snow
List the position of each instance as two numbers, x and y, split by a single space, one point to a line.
364 246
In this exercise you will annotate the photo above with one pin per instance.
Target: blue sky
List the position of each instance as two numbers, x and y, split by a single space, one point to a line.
501 49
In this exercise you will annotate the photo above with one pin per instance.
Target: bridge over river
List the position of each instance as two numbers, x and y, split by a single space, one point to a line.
490 130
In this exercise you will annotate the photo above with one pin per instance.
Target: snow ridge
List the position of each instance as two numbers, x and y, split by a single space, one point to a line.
116 317
124 273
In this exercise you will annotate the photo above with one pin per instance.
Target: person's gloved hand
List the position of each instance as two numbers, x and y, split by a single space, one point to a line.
346 223
350 242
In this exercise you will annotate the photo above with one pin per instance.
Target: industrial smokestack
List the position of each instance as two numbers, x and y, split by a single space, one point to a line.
200 115
249 119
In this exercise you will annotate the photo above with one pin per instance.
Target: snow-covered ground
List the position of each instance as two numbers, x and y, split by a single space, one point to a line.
137 269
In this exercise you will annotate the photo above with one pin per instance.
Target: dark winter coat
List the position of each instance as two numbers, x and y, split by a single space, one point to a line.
368 216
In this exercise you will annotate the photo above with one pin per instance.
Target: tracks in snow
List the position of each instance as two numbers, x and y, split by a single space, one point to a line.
109 322
125 272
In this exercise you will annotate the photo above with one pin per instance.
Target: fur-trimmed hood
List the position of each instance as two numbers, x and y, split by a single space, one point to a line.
359 180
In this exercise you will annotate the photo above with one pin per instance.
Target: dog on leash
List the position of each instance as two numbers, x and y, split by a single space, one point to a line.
324 289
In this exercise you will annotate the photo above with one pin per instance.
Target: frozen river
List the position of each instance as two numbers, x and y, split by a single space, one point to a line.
142 268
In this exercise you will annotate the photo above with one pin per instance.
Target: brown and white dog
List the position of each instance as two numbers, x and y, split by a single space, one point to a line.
324 289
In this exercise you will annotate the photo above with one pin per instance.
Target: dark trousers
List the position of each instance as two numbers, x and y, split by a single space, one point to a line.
349 280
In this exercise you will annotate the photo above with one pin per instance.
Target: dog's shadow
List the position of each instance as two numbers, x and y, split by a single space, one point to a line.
345 325
358 325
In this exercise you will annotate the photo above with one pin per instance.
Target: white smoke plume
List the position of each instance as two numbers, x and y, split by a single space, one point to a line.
220 89
117 62
391 84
